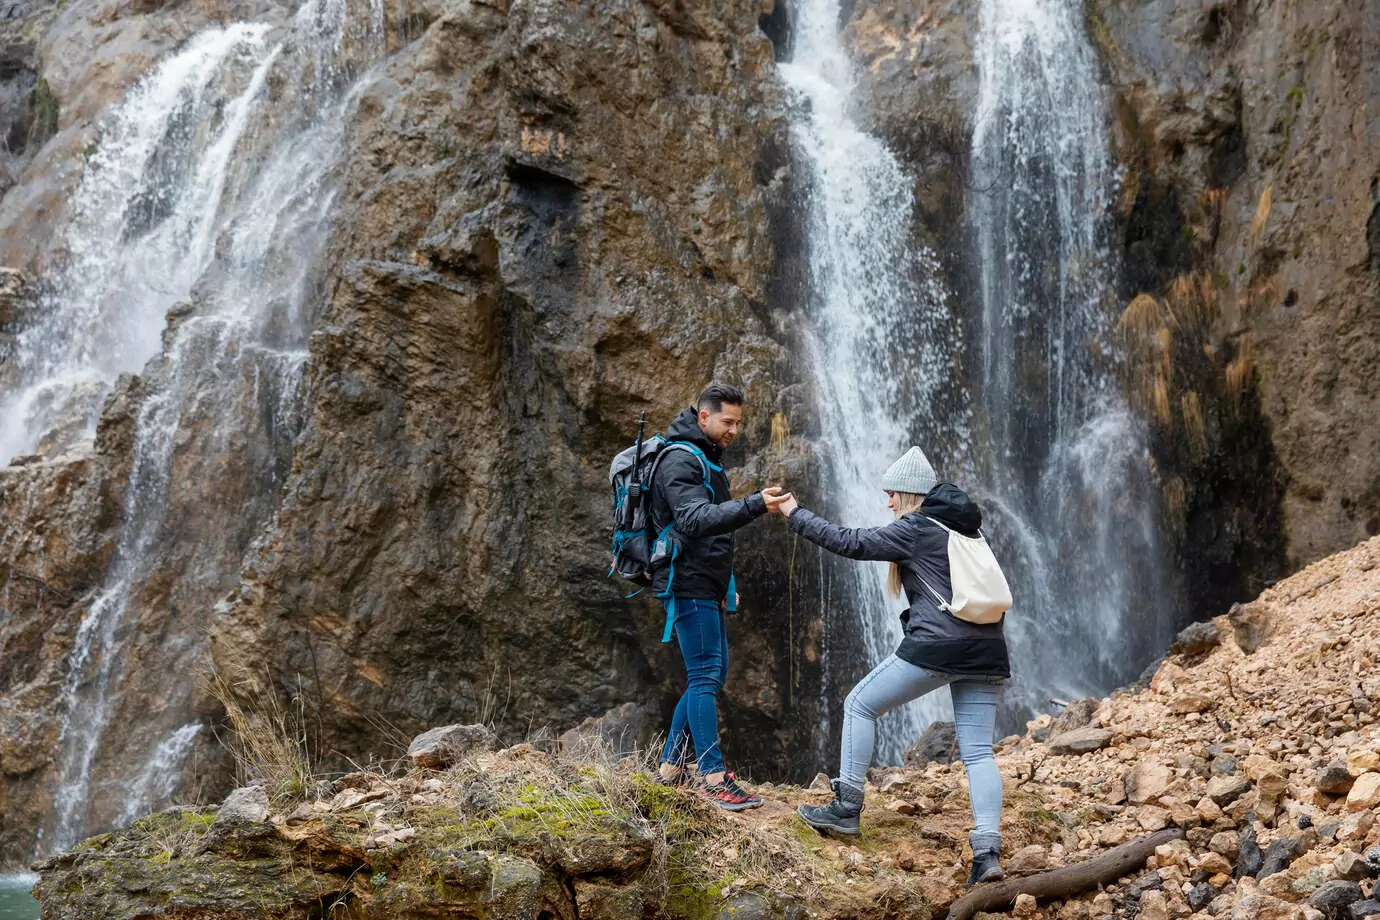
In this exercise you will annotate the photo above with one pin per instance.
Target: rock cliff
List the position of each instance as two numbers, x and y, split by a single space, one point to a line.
1248 217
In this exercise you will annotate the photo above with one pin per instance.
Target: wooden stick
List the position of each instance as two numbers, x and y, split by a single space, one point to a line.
1060 883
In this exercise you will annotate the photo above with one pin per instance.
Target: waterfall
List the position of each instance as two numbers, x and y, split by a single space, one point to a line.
1041 437
190 255
1071 504
879 319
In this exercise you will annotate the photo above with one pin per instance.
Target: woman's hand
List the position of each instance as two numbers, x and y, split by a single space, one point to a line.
774 496
788 505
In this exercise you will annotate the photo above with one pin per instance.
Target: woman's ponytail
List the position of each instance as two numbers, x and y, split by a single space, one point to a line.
906 502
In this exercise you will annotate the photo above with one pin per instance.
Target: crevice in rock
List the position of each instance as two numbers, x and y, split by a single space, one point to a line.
778 26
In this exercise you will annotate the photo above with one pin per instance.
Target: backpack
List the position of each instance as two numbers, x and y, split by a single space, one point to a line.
636 552
981 594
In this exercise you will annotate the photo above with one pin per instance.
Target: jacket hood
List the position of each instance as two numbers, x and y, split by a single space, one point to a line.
686 427
951 506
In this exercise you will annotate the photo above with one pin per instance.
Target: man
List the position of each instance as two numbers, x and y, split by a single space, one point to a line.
694 517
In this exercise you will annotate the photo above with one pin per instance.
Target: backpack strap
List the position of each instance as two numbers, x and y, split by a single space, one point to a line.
944 526
943 604
705 465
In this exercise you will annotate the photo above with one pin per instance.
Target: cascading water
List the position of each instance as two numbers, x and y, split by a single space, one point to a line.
1047 446
205 208
1070 497
878 315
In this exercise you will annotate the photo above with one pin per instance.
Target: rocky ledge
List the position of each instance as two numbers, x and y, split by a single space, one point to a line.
1257 737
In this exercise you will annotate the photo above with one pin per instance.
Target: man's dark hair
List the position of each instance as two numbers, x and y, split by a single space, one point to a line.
716 394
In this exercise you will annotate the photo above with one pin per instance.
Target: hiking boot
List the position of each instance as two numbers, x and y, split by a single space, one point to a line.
729 795
840 815
986 868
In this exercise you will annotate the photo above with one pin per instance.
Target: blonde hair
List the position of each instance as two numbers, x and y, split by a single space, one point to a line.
906 502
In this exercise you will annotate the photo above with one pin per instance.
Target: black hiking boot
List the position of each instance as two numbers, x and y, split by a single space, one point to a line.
840 815
986 868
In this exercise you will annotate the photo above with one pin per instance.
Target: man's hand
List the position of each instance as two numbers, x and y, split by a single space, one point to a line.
775 498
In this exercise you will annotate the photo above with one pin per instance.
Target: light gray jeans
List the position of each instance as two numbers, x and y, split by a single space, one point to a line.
895 682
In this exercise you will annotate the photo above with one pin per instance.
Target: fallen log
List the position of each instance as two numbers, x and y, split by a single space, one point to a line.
1068 880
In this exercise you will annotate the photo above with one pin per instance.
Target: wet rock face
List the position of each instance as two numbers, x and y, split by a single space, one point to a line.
553 216
1244 123
1245 165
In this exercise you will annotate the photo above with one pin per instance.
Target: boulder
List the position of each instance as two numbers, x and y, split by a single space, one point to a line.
1334 899
1350 866
1033 858
1278 856
1334 779
746 906
248 803
1227 844
1359 910
1080 741
624 729
1154 906
1362 760
1224 790
1250 860
1365 793
1150 881
442 747
1262 907
937 744
1077 714
1196 639
1147 781
1250 625
1200 896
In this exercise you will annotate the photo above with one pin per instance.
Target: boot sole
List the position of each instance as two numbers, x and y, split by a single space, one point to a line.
741 806
991 875
821 826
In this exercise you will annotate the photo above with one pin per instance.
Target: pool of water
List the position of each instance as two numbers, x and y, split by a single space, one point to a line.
15 901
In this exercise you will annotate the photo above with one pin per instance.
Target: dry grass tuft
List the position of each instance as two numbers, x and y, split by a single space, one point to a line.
1262 211
1140 320
1160 400
269 743
1195 426
1176 498
780 433
1241 371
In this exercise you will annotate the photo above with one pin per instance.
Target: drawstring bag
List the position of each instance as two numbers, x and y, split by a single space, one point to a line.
981 594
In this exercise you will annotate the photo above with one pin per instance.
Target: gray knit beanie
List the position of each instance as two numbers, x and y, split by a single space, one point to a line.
911 473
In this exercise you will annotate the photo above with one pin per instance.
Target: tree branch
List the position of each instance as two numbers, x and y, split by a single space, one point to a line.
1060 883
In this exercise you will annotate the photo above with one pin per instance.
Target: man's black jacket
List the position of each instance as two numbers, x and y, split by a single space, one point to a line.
704 516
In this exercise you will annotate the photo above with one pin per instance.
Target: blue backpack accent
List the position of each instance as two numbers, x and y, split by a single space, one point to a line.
636 553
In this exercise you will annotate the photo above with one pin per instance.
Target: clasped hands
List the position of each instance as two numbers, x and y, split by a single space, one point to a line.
778 501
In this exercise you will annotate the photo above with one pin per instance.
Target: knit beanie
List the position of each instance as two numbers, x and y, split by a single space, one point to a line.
911 473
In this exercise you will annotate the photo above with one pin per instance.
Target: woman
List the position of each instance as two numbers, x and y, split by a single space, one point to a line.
938 649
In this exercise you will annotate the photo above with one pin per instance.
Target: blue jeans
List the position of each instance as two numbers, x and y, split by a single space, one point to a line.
895 682
702 636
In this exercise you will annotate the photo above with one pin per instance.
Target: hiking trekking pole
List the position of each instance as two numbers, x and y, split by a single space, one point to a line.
635 487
